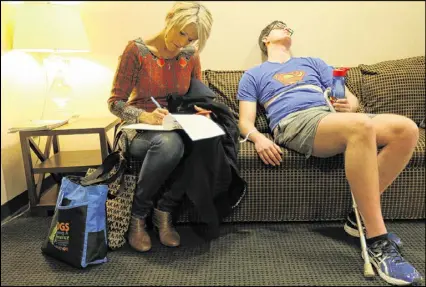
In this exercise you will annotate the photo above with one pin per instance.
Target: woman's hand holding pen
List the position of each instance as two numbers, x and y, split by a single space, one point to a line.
201 111
153 118
156 117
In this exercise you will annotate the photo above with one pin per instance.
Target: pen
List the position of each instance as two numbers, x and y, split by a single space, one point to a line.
204 113
156 103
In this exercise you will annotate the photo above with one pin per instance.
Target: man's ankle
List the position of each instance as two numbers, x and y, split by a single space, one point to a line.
371 240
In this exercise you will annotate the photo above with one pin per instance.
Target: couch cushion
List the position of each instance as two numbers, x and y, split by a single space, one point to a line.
204 78
396 86
418 158
354 84
225 85
354 81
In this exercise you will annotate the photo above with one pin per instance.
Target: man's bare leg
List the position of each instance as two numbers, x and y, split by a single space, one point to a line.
398 136
354 135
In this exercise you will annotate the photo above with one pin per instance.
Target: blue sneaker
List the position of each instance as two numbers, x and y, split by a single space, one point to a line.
391 266
351 228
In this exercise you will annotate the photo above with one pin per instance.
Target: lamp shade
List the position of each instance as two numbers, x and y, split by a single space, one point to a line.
45 27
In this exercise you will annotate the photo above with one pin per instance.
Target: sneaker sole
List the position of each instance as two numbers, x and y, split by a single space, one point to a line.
386 277
351 231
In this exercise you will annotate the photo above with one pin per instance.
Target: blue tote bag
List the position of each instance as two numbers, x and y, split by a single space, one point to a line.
78 231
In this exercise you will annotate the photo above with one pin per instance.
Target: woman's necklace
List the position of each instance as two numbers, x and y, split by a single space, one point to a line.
161 62
161 50
169 58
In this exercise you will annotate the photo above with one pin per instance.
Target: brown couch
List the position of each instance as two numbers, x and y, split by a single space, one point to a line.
316 189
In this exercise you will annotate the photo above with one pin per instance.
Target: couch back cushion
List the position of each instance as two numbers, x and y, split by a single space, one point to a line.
354 84
396 86
354 81
225 86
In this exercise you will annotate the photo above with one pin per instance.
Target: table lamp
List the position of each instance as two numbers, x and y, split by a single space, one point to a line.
54 29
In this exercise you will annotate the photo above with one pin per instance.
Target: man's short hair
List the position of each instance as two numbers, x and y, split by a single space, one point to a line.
265 32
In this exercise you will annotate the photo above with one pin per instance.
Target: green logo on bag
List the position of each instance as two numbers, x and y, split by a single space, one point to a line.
59 237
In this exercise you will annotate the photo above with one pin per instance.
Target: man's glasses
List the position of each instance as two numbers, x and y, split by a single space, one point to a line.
281 25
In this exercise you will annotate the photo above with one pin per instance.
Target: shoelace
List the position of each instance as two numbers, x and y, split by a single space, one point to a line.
390 250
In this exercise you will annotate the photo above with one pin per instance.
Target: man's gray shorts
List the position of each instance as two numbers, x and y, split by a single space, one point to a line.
297 130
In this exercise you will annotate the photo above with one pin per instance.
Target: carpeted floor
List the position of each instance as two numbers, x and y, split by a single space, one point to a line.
273 254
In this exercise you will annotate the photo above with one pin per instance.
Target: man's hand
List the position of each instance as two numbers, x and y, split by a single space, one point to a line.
269 152
154 118
342 105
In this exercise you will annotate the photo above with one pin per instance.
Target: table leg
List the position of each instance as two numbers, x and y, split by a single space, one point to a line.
56 146
104 144
29 174
36 149
46 155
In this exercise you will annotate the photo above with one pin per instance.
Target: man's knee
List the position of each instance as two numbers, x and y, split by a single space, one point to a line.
405 130
361 128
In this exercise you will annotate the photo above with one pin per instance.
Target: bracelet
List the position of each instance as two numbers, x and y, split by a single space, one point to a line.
247 136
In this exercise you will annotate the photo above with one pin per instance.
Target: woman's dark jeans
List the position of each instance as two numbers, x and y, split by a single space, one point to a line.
160 152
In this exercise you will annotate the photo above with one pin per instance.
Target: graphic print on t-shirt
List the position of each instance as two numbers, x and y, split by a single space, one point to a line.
289 78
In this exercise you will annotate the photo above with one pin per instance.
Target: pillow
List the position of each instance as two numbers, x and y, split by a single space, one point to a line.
354 84
396 86
354 81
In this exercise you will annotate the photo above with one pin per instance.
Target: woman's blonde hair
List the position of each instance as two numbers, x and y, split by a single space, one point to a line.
184 13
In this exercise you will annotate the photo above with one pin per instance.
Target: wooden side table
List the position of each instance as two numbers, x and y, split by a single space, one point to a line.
61 161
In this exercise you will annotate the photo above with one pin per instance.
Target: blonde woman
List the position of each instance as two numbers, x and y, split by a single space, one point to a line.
157 67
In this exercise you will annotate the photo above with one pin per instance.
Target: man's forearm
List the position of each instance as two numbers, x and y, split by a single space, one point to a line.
251 131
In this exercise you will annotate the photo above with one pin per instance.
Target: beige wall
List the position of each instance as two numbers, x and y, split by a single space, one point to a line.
342 33
372 32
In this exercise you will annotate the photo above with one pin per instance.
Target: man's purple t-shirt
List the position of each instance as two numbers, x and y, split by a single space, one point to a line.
263 82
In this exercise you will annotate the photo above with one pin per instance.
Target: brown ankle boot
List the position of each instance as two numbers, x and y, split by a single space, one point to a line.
163 223
138 237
